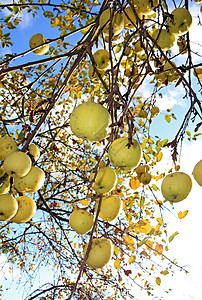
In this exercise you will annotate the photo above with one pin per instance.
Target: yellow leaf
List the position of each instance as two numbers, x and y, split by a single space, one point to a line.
158 280
165 272
160 221
132 259
116 250
183 214
159 156
84 202
149 245
117 264
143 226
134 183
129 240
158 249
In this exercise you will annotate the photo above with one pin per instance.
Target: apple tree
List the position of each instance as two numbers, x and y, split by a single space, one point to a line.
78 143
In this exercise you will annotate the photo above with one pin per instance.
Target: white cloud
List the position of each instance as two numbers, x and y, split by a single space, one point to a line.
6 270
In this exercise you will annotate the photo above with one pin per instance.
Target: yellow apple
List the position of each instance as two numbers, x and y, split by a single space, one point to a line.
34 151
5 185
146 6
8 207
100 253
37 40
26 210
31 182
105 180
117 22
124 157
110 208
17 164
154 111
176 186
81 221
180 21
102 60
140 170
130 20
7 146
197 172
90 121
165 39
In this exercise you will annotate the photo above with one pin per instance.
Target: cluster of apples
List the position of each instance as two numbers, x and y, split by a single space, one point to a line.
26 179
91 121
143 174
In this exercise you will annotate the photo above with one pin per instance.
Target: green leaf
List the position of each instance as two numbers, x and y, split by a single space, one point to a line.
15 10
48 14
172 236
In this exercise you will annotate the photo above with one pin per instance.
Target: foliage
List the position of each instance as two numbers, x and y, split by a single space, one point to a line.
38 95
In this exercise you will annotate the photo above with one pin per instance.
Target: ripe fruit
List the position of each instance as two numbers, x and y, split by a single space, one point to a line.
7 146
180 21
165 39
90 120
105 180
17 164
34 151
31 182
81 221
8 207
100 253
4 186
37 40
154 111
26 210
124 157
102 60
197 172
146 6
176 186
110 208
130 23
140 170
117 22
145 178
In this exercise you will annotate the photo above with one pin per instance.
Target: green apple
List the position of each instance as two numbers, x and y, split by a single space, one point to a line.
117 22
197 172
146 6
31 182
145 178
130 20
8 207
90 121
34 151
100 253
110 208
124 157
81 221
17 164
180 21
105 180
7 146
26 210
37 40
4 186
102 60
165 39
176 186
